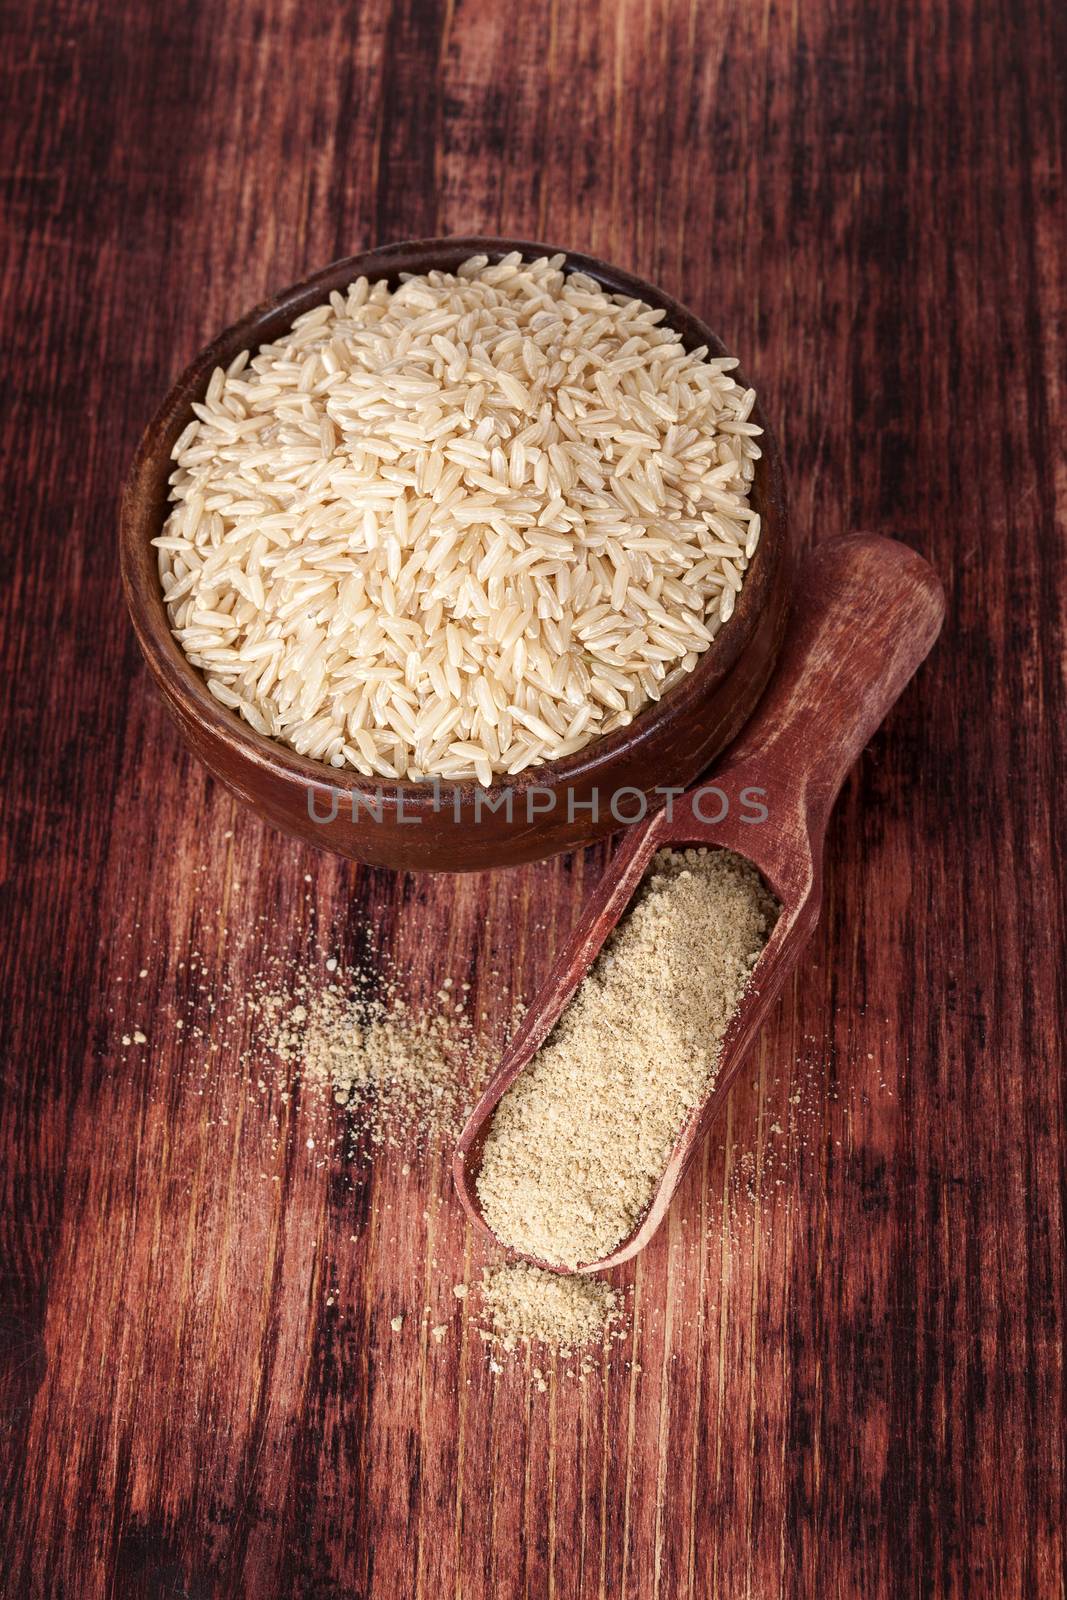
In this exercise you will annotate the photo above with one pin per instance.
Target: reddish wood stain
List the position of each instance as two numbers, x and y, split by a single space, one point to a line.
849 1330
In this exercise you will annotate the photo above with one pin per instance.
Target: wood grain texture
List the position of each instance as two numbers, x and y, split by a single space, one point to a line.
850 1330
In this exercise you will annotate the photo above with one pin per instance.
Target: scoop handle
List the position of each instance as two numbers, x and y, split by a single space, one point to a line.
866 611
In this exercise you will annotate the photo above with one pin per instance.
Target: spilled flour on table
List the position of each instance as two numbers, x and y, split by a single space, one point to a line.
351 1068
524 1306
400 1075
311 1035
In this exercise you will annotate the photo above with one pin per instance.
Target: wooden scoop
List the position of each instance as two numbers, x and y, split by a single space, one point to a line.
866 612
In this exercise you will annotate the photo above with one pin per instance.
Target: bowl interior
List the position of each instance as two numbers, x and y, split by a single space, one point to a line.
145 503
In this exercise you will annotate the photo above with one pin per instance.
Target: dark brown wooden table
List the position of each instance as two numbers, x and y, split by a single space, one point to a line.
850 1333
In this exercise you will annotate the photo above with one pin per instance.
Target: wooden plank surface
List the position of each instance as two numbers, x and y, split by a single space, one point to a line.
849 1335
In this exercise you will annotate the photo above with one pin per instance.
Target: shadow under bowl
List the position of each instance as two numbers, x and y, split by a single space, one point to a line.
455 827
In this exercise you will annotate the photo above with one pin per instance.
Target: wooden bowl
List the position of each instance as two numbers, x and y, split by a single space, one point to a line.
556 806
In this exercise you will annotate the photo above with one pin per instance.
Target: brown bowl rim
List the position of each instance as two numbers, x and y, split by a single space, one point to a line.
185 684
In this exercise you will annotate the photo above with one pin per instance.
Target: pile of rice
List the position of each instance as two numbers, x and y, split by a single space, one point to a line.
460 527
